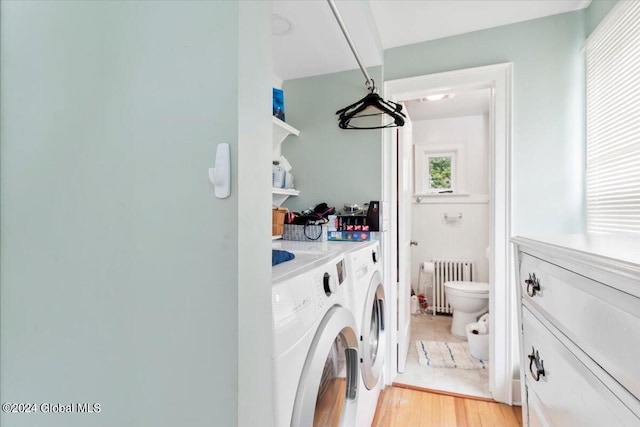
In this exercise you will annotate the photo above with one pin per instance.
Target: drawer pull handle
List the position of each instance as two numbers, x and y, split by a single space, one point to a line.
534 357
533 284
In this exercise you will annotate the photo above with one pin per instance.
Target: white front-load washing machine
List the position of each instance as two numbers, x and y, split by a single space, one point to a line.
315 348
366 298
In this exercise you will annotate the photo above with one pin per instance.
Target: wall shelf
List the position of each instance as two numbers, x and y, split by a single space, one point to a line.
281 130
282 194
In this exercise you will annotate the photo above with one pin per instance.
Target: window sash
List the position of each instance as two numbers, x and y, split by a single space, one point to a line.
452 173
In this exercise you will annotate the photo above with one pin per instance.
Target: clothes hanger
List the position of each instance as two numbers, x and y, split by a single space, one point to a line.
374 102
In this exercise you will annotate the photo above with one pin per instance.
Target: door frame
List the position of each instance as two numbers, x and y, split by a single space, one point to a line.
504 350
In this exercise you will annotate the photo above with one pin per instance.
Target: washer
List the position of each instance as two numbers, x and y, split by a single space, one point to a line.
366 298
315 345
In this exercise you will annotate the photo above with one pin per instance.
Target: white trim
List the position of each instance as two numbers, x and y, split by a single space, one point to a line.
450 199
502 311
277 82
421 156
516 393
388 246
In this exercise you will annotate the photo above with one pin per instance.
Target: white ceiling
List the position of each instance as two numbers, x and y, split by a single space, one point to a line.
316 46
404 22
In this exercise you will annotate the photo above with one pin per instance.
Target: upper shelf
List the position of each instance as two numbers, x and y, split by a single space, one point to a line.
282 194
281 130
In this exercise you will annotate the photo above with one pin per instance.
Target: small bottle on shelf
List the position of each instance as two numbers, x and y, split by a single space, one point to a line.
277 175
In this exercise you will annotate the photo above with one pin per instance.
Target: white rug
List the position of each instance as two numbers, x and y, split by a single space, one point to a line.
438 354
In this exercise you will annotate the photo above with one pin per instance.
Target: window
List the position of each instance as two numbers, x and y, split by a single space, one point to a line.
438 169
439 178
613 123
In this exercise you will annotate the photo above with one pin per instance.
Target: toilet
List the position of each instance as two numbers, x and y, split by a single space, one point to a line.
468 300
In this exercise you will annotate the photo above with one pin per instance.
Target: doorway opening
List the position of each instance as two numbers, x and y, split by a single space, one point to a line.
444 169
449 232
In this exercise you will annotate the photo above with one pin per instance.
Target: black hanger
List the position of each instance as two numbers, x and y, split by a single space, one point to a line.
372 102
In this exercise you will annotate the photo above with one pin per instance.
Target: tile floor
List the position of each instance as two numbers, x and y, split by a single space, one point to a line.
472 382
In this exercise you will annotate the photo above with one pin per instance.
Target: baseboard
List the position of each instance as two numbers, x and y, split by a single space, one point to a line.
516 393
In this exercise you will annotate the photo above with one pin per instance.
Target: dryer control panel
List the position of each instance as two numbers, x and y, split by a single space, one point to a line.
342 271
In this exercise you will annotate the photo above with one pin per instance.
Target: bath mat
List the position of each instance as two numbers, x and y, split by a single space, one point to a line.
438 354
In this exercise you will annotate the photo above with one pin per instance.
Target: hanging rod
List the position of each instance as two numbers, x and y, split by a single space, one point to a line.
370 84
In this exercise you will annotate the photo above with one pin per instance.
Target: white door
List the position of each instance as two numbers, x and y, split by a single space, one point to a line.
405 191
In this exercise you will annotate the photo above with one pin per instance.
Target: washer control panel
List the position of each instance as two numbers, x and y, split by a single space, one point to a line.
329 280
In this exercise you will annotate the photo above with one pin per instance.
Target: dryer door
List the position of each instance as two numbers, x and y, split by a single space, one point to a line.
373 333
328 387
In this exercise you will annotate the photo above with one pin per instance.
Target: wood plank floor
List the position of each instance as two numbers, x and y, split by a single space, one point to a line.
330 403
404 407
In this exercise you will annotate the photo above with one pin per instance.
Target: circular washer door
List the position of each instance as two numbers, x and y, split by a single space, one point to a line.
373 333
328 387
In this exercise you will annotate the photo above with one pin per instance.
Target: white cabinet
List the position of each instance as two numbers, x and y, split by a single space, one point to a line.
579 313
280 131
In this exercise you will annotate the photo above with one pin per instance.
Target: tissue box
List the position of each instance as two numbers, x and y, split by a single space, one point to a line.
348 223
305 233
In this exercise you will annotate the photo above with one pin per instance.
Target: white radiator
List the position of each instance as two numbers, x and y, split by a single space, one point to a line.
446 270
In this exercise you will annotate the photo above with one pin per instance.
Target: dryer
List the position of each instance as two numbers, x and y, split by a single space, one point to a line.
315 348
366 298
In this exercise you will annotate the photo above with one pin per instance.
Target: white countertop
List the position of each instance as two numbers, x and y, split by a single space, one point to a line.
308 255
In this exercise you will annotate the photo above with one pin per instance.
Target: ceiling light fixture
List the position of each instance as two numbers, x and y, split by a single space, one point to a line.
280 25
439 96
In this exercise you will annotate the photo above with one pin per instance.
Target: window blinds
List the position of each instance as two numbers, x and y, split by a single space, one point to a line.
613 123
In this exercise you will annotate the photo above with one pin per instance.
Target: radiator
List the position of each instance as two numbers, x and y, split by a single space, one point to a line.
446 270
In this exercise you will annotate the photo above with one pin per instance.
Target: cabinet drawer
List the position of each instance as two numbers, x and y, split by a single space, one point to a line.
537 417
604 322
568 393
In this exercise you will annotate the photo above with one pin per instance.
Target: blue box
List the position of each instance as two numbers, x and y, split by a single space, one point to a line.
278 103
349 236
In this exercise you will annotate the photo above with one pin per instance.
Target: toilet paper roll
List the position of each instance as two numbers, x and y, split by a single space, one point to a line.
428 267
483 324
482 328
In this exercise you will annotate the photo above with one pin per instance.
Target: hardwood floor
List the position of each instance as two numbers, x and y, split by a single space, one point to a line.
330 403
403 407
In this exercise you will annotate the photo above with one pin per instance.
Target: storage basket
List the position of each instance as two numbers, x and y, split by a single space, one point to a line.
277 221
305 233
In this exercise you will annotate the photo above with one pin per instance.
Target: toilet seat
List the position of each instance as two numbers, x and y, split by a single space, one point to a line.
468 287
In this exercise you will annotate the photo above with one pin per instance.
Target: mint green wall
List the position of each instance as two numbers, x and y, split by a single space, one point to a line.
331 164
595 13
120 269
548 103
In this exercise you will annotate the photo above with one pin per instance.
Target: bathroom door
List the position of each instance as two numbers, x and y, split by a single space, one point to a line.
405 192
